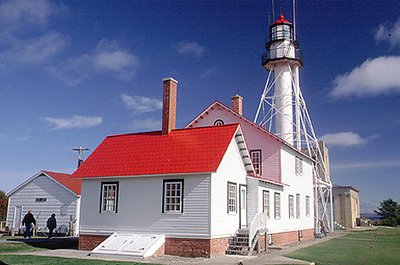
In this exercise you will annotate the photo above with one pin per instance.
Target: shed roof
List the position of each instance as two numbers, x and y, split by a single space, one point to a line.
65 179
182 151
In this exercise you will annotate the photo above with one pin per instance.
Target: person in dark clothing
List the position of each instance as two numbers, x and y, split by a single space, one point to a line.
51 224
322 226
28 221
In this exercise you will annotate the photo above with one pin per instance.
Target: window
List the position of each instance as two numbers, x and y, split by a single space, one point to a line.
297 205
255 156
109 197
40 199
291 206
277 204
231 197
218 122
63 210
299 166
173 196
266 202
308 205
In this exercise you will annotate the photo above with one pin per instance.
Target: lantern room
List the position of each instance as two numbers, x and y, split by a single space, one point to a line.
281 30
282 45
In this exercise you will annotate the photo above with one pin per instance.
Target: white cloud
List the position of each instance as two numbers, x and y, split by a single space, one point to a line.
389 33
343 139
373 77
141 104
14 13
107 57
35 50
145 125
75 122
209 72
191 48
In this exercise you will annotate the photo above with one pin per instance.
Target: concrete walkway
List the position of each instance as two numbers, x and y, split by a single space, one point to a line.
274 256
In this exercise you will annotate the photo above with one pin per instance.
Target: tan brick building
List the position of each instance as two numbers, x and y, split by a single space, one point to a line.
346 205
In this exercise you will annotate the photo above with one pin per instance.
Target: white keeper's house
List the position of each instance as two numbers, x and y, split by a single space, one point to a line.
283 187
201 189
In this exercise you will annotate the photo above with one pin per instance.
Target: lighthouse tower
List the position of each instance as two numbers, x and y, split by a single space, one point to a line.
283 60
283 111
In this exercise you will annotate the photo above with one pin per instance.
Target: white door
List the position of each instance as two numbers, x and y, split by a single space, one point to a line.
17 217
243 206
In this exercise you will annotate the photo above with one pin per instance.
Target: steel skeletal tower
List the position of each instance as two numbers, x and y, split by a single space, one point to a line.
283 110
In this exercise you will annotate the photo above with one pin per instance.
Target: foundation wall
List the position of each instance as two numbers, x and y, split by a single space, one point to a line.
286 238
90 242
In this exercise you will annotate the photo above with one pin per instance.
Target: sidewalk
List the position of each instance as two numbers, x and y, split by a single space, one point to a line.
274 256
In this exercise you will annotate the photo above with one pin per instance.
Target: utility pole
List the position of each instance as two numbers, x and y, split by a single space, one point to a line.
80 154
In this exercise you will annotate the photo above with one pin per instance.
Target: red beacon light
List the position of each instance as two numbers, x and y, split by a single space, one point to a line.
281 20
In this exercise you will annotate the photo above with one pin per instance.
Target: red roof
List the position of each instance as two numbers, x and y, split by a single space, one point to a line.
67 180
192 150
281 20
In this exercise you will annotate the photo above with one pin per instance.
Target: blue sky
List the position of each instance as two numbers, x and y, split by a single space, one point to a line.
72 72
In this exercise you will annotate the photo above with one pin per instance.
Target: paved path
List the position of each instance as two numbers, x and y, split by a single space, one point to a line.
274 256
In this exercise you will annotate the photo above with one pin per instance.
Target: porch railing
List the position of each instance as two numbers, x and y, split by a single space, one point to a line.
259 222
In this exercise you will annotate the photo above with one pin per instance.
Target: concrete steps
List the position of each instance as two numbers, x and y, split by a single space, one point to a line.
239 243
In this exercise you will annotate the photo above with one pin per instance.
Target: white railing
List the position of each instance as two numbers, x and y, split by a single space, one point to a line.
259 222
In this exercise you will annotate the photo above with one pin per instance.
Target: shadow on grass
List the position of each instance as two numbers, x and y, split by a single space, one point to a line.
53 243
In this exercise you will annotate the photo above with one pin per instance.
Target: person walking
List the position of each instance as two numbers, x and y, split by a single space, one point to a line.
51 224
323 229
28 221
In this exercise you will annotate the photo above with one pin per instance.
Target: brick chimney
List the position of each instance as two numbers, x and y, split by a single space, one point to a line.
170 87
237 104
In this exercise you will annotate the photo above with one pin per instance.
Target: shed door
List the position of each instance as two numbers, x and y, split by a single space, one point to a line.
243 206
17 217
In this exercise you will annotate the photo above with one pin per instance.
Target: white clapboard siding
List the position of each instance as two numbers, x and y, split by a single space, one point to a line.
293 184
42 187
230 169
140 207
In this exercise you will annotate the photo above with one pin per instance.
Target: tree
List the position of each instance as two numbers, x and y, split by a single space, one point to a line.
3 206
389 211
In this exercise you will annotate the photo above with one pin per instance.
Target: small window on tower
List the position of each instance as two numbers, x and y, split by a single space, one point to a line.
218 122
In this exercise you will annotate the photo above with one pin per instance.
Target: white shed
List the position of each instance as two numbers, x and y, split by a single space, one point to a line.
46 193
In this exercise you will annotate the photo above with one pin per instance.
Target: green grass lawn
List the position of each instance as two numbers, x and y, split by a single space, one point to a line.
381 246
16 247
39 260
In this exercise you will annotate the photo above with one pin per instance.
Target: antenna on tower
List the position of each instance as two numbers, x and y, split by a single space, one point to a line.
80 154
273 10
294 19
